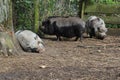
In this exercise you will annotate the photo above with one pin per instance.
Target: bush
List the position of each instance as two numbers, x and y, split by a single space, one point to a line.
113 25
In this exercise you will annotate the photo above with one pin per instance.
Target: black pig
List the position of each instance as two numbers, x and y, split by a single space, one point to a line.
64 26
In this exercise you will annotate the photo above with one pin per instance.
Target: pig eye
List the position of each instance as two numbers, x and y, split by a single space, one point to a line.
27 44
38 42
98 29
35 37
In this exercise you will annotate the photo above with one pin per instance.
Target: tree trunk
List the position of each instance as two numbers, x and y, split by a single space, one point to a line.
36 15
7 47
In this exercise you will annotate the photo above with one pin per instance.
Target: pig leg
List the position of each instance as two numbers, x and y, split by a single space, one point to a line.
76 38
81 37
92 32
58 38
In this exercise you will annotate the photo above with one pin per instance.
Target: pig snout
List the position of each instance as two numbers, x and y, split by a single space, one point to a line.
101 36
40 48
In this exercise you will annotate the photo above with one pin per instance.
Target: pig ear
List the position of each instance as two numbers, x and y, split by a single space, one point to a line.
98 19
98 29
48 21
43 23
92 20
54 23
35 37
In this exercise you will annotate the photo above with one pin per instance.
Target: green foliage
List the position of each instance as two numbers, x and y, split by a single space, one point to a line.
58 8
107 10
113 25
91 2
23 12
106 1
23 15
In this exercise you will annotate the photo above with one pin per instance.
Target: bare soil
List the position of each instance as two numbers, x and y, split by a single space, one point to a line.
91 59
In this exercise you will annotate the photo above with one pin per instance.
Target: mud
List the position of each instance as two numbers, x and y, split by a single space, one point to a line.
91 59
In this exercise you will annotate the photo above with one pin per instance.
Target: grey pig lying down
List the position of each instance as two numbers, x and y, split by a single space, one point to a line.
29 41
96 27
64 26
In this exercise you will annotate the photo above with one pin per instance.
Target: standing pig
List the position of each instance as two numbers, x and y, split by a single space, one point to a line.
64 26
29 41
96 27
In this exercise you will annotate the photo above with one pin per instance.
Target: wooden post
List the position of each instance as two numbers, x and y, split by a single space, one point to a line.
81 10
36 15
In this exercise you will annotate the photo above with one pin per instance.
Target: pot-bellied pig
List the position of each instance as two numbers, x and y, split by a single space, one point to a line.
29 41
96 27
64 26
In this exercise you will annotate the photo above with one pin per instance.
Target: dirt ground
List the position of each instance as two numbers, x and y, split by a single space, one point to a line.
91 59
